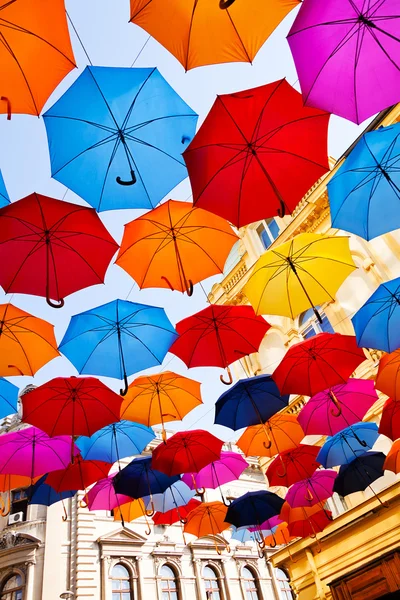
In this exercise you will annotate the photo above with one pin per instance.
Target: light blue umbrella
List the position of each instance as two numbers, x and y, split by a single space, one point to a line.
4 198
178 494
343 447
242 535
8 398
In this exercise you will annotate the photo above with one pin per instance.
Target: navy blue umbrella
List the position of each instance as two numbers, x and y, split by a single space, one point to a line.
357 475
342 448
44 494
253 508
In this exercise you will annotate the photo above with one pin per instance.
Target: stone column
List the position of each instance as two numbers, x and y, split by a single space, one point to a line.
239 569
105 568
226 579
314 570
140 578
273 578
201 593
30 570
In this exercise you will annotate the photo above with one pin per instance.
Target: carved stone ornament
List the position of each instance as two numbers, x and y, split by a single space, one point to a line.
11 539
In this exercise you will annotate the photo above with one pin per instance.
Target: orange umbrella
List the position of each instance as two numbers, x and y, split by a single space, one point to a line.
281 432
207 519
12 482
36 53
26 342
388 377
175 246
392 462
279 536
130 511
160 398
290 515
207 32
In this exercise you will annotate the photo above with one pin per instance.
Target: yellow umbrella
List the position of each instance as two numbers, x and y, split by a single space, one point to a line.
299 274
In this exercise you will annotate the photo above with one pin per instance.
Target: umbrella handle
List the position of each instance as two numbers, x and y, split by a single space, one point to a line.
150 513
229 381
8 107
124 391
337 405
284 470
4 512
189 288
83 503
359 440
282 210
58 304
65 515
131 182
224 4
183 520
308 495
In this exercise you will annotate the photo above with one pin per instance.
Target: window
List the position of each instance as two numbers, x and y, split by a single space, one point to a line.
12 588
121 583
19 502
268 231
250 584
169 588
211 583
310 326
285 590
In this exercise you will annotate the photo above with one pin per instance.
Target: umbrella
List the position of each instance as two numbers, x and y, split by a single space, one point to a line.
116 441
78 475
390 419
116 137
387 378
8 398
320 362
154 399
239 160
117 339
207 33
337 45
26 342
310 525
281 432
36 54
330 411
242 535
293 465
219 335
253 508
174 515
66 246
8 483
249 402
299 274
364 194
208 519
130 511
313 490
102 496
175 246
176 496
43 494
4 197
392 462
278 536
268 523
377 322
341 448
358 474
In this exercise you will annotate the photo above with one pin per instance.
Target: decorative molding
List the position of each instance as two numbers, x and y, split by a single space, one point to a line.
12 539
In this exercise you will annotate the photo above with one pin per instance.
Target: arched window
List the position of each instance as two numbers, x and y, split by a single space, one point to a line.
310 326
250 584
211 583
121 583
12 588
284 585
169 587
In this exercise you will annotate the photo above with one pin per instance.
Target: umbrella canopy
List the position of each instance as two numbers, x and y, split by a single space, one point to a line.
208 33
228 467
207 519
66 246
176 496
26 342
118 339
357 475
242 535
293 465
310 525
313 490
332 410
249 402
219 335
78 475
278 536
318 363
392 462
8 398
43 493
36 53
175 246
112 130
186 451
343 447
253 508
129 511
139 479
281 432
387 378
174 515
4 197
102 496
268 524
246 146
390 420
336 46
377 322
290 514
299 274
116 441
12 482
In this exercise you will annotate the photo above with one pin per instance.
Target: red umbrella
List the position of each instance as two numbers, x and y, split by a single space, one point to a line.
293 465
390 419
176 514
218 336
318 363
52 248
310 525
79 475
239 160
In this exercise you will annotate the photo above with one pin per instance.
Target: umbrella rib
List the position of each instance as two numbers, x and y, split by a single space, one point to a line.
110 130
190 35
92 147
112 156
238 35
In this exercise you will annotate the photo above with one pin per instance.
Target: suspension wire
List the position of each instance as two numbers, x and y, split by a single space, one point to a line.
141 50
79 38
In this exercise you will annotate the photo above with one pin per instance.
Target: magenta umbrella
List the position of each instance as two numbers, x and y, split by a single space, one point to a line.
314 490
332 410
347 55
102 496
268 524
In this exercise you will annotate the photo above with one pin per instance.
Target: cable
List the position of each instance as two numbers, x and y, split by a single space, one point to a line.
141 50
80 41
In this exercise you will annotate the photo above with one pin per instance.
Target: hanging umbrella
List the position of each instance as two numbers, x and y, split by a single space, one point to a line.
130 511
78 475
176 496
331 410
387 378
219 335
278 536
102 496
347 56
310 525
160 398
318 363
281 432
239 160
268 524
36 54
26 342
299 274
116 137
341 448
313 490
293 465
358 474
208 519
8 398
4 197
12 482
118 339
291 514
208 33
249 402
242 535
43 494
392 462
65 245
175 246
377 322
390 420
253 508
174 515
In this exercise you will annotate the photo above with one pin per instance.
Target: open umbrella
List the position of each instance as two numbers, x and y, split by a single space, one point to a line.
174 515
344 446
242 535
78 475
268 523
336 46
390 419
43 494
325 360
176 496
12 482
392 462
208 519
310 525
66 246
219 335
8 398
130 511
278 536
313 490
250 140
299 274
4 197
175 246
293 465
281 432
113 130
102 496
358 474
388 376
117 339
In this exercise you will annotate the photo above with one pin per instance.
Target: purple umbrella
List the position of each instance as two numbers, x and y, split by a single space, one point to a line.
314 490
268 524
347 55
332 410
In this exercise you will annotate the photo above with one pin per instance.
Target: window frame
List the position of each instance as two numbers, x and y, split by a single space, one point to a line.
175 590
265 223
254 581
122 591
215 579
313 323
12 592
284 587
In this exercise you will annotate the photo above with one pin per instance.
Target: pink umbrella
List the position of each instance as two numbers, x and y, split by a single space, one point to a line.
268 524
102 496
334 409
314 490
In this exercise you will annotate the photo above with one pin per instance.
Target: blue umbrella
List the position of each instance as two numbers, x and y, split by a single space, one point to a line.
242 535
358 474
253 509
41 493
249 402
115 441
118 339
117 135
178 494
4 198
364 195
377 322
343 447
8 398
